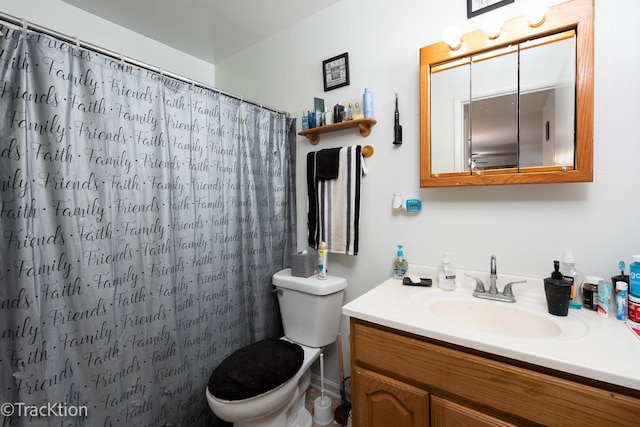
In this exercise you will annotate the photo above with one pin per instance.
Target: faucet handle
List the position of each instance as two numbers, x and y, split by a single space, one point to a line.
508 291
479 284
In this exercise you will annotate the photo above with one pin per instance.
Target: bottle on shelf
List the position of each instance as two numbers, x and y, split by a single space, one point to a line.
338 113
368 103
357 111
328 116
311 119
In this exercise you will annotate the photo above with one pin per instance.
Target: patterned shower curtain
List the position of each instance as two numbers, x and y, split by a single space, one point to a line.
141 220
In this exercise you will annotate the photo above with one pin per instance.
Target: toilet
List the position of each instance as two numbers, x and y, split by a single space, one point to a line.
273 395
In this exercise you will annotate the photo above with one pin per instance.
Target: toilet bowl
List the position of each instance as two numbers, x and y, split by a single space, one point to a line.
282 406
311 312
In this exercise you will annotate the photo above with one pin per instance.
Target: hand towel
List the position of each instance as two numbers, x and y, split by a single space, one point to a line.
327 163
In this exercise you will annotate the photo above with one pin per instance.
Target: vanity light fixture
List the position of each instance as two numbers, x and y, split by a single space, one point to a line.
536 14
452 37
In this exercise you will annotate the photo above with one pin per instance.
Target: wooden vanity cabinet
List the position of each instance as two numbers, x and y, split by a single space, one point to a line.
401 379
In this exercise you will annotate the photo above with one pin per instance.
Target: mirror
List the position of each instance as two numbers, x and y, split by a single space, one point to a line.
514 109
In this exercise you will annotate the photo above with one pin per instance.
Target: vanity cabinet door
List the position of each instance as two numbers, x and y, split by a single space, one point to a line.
380 401
445 413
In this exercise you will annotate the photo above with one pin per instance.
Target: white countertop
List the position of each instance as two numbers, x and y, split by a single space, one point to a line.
597 348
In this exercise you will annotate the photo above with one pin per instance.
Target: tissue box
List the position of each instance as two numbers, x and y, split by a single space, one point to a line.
304 264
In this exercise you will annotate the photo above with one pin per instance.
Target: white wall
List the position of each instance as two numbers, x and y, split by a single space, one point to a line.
526 226
66 19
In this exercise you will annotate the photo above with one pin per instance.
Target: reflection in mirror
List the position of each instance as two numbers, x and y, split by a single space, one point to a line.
515 109
494 112
450 91
548 80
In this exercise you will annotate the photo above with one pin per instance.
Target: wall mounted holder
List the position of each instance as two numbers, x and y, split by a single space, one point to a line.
409 205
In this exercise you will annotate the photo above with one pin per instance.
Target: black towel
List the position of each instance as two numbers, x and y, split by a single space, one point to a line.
312 210
327 163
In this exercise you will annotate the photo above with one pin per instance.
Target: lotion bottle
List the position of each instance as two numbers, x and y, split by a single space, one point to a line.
400 264
446 274
357 111
570 273
368 103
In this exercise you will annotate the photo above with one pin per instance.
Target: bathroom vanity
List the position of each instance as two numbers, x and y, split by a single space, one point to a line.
423 356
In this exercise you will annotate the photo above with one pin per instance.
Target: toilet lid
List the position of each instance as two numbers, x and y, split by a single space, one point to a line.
256 369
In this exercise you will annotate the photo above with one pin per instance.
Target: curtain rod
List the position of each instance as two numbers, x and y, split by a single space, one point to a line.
22 23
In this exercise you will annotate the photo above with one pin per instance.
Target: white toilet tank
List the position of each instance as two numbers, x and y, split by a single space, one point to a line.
310 308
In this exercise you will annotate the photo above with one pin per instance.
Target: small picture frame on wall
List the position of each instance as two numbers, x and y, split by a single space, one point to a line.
477 7
335 72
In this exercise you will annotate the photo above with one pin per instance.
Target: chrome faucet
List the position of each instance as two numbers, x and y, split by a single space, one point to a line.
493 289
493 293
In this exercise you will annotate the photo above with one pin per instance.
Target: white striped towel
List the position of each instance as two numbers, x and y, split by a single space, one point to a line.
337 204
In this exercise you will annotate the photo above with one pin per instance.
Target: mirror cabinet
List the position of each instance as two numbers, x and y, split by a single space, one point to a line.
513 109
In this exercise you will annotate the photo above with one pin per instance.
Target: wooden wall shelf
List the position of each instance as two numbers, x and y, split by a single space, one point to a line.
363 124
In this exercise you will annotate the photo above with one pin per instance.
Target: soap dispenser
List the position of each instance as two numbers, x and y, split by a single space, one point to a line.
446 274
400 264
557 289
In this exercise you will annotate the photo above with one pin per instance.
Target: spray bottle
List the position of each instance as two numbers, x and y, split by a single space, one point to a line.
322 260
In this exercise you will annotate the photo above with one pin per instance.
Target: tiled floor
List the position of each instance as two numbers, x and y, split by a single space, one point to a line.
312 393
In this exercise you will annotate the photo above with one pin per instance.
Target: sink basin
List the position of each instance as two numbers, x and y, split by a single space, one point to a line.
505 319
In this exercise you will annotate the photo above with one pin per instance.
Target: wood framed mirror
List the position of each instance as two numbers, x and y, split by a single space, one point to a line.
514 109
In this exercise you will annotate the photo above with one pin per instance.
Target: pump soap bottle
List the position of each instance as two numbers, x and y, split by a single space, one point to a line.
557 289
400 264
446 274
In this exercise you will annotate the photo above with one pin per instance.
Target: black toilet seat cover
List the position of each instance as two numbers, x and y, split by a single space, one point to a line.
256 369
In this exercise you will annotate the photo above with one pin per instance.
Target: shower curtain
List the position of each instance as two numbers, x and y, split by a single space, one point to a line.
141 220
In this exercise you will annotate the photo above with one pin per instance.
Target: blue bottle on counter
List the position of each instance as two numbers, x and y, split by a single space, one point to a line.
368 103
634 277
400 264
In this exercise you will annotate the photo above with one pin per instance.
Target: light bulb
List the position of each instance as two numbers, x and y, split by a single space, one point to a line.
536 13
452 37
492 26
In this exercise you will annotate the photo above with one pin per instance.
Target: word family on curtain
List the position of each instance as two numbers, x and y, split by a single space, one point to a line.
141 220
